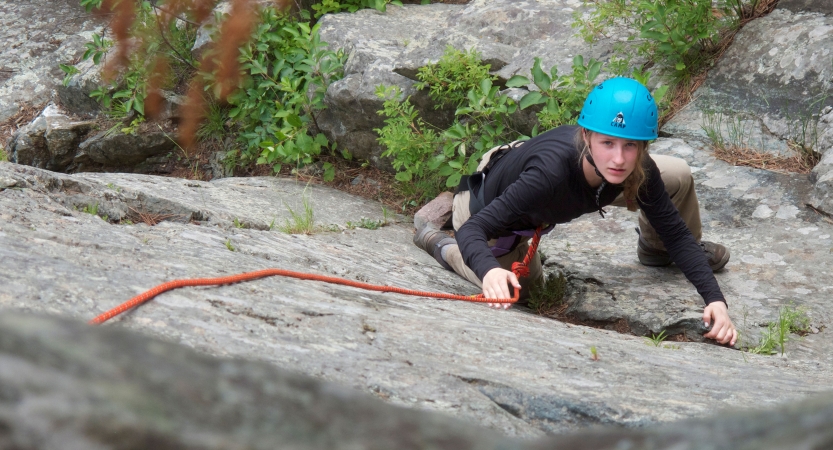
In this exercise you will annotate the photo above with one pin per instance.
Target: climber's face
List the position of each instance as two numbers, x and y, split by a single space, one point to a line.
614 157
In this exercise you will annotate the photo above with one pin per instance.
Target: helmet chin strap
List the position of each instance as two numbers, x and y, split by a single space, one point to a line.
589 158
601 186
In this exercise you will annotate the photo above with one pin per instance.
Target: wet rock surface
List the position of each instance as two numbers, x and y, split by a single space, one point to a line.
511 371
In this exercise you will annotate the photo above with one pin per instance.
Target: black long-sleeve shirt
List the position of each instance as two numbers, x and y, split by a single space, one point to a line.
542 182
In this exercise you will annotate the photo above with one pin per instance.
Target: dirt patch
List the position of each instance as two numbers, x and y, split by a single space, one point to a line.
560 314
801 162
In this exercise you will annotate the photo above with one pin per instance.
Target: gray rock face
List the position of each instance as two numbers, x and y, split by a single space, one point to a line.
101 394
122 150
806 6
70 387
772 91
37 36
511 371
389 48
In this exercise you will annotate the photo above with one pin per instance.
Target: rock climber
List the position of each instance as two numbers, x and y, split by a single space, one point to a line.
569 171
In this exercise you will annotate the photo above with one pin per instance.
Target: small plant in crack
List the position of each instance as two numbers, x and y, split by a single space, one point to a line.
371 224
386 216
229 245
547 295
791 320
657 339
91 209
239 224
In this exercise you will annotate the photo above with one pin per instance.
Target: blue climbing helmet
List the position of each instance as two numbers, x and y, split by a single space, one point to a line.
621 107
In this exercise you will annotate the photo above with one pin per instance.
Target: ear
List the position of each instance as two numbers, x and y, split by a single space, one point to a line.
584 136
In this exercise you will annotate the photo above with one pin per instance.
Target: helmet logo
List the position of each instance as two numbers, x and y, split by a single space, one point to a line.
618 121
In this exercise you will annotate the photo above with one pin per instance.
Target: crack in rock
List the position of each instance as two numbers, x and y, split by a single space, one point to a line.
552 413
248 312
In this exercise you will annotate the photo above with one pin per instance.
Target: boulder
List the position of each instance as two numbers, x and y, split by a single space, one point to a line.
806 6
389 48
39 35
122 150
771 90
74 97
57 142
50 141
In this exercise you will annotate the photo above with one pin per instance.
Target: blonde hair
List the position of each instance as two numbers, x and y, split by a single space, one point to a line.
634 181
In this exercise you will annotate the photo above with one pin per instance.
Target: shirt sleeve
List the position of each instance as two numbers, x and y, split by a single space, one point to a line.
678 240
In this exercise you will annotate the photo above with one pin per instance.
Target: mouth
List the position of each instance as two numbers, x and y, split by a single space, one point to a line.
616 171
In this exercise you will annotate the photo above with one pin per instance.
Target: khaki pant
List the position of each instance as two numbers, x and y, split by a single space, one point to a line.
678 183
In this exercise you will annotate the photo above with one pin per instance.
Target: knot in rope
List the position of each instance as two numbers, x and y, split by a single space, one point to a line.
520 269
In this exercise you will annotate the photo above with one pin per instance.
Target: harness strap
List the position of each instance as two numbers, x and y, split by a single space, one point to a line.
505 244
474 183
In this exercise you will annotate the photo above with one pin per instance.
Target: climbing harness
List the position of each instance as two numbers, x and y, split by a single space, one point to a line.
520 269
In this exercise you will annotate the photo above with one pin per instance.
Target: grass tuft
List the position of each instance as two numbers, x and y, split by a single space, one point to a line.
657 339
303 223
791 320
734 147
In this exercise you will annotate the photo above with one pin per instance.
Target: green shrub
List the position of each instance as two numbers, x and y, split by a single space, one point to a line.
406 138
126 95
432 157
562 96
678 35
288 71
422 153
453 76
333 6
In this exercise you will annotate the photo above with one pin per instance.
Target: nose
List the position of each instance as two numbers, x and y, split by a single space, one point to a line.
618 154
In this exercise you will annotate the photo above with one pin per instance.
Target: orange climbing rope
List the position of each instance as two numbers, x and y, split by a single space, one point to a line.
520 269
